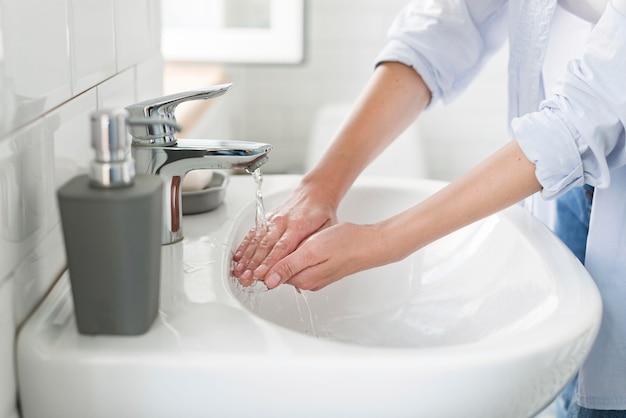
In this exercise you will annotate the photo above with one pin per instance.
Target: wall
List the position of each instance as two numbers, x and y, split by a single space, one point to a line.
60 60
277 103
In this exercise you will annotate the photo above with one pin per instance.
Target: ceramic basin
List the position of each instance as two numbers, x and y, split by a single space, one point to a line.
488 322
491 321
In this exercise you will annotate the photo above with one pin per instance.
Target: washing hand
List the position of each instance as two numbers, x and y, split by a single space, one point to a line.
305 247
329 255
302 215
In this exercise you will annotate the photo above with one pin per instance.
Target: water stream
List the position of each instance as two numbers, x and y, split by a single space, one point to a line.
261 218
305 312
252 293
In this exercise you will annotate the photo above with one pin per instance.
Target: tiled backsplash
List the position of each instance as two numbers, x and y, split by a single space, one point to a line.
60 60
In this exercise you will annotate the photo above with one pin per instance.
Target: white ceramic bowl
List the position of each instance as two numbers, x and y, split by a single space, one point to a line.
491 321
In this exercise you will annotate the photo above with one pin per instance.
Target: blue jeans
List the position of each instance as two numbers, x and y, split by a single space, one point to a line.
577 411
566 401
573 210
572 219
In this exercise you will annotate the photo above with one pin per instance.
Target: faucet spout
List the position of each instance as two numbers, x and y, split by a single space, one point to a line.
256 164
193 154
173 162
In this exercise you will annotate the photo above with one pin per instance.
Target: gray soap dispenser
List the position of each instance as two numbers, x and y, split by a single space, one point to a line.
112 228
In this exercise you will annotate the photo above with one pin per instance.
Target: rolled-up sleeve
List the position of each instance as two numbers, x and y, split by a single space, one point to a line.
446 42
577 136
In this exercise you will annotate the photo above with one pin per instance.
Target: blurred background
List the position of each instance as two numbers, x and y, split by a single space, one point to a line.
297 65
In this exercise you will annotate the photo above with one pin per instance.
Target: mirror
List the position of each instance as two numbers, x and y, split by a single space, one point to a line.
233 31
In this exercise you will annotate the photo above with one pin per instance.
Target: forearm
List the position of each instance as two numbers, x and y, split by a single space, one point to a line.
391 100
502 180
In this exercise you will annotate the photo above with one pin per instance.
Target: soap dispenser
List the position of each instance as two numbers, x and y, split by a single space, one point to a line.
111 221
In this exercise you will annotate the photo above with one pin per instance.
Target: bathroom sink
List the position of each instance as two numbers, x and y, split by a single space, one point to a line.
491 321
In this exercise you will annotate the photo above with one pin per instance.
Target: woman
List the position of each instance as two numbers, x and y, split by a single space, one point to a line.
575 137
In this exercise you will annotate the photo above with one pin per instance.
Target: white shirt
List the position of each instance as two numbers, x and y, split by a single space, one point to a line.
576 136
589 10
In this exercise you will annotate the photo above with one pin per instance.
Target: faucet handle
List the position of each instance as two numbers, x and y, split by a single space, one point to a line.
165 107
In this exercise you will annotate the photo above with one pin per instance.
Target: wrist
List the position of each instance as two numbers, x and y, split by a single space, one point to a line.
393 241
319 186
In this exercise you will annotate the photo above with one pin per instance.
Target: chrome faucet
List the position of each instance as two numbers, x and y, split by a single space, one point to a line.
156 150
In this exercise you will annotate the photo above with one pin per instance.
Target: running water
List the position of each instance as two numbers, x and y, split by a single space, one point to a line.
251 295
309 312
261 219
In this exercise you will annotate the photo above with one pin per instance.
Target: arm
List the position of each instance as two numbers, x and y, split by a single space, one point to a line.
577 137
505 178
390 102
392 99
434 51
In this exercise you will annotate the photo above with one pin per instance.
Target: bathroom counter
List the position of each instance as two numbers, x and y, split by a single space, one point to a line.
196 305
59 369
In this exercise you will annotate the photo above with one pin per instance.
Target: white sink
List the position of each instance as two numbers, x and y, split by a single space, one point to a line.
491 321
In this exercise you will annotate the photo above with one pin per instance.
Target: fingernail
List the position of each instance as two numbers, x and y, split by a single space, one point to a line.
246 276
238 255
273 280
260 271
239 268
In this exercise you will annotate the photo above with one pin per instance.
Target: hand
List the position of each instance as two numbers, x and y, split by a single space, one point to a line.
342 249
395 95
302 215
330 255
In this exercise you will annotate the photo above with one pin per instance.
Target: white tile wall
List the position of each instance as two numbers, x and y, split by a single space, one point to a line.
34 38
149 78
60 60
137 24
22 194
7 377
93 57
118 91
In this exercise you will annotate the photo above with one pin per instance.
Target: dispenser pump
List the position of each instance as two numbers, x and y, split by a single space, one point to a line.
113 165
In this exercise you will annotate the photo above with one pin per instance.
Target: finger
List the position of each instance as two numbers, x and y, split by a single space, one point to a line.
283 247
246 279
262 247
250 242
244 244
290 266
258 247
314 278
